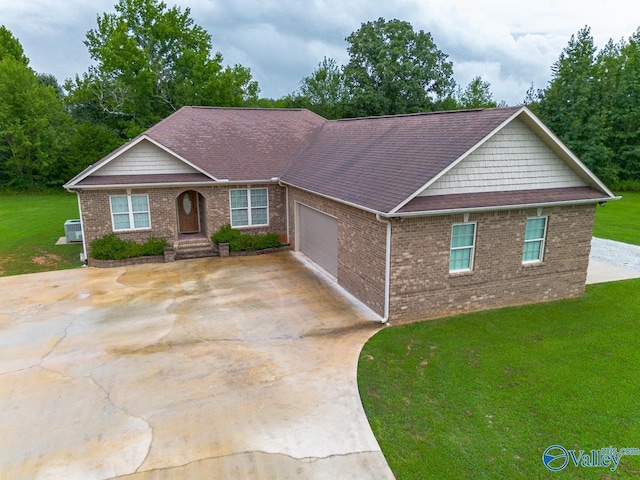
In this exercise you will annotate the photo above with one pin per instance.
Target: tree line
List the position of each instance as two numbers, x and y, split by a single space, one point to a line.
150 60
593 104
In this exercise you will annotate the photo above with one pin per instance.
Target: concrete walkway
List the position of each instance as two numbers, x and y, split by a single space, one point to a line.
610 261
205 369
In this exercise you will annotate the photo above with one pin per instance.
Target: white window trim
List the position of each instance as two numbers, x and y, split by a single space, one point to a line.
472 247
130 212
543 240
248 208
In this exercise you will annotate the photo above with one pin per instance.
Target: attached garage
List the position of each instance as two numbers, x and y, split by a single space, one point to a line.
318 237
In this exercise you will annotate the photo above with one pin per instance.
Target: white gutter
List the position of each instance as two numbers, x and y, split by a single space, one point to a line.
336 199
387 272
225 181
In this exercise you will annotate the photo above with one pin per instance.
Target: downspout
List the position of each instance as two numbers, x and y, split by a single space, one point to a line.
387 273
286 196
84 241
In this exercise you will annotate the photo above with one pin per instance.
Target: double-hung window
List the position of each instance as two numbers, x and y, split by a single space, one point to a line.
463 239
249 207
130 212
534 235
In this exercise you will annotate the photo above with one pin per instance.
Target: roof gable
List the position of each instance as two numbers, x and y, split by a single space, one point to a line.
524 115
142 158
513 158
134 160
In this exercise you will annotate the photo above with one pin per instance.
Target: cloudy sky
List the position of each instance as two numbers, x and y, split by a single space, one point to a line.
509 43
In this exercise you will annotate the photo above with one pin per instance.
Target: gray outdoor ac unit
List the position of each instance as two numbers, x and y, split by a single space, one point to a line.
73 230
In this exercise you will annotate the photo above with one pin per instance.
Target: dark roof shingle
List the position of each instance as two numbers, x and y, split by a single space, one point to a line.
238 144
375 163
378 162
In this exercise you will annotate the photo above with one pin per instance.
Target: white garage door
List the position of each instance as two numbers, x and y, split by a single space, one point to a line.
318 238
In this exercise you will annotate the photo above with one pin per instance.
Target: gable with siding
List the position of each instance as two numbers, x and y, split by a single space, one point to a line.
143 158
514 158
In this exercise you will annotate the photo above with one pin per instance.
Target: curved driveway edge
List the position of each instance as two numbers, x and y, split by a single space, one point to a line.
242 367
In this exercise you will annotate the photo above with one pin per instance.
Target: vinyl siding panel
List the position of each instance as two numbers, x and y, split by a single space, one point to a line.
514 159
144 158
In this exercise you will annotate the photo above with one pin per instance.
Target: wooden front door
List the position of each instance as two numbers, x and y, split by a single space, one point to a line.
188 212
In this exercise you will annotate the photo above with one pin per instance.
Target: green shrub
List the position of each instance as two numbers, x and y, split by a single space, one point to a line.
226 234
269 240
628 185
109 247
153 246
245 242
112 247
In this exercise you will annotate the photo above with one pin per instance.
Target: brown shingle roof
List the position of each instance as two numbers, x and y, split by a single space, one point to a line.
237 144
378 162
466 201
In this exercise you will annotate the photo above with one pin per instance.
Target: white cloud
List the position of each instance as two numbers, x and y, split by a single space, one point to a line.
510 44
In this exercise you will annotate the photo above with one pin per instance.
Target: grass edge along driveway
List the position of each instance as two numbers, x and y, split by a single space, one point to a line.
483 395
30 225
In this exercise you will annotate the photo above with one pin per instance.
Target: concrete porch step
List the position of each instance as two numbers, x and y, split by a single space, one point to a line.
194 248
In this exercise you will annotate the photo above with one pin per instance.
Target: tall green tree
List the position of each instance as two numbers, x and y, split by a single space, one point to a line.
149 61
325 89
622 89
570 105
394 69
10 46
34 125
477 95
592 103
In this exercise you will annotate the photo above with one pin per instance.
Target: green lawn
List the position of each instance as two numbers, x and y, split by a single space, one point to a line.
30 225
481 396
620 220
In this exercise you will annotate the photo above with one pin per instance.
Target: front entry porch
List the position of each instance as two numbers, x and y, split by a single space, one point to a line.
193 240
194 245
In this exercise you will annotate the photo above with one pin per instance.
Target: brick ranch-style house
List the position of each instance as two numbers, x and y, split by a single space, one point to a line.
418 216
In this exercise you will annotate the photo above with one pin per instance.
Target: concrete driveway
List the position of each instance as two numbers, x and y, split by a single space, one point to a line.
203 369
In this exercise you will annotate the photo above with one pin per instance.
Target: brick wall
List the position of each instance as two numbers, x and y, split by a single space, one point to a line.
422 287
361 247
218 209
96 214
213 203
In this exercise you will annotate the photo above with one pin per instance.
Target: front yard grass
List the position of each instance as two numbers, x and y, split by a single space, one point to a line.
30 225
481 396
619 220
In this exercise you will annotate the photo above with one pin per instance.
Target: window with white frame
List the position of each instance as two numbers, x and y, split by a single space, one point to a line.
534 235
463 239
130 212
249 207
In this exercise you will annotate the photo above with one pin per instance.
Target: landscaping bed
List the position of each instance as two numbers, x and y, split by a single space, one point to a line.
125 261
282 248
